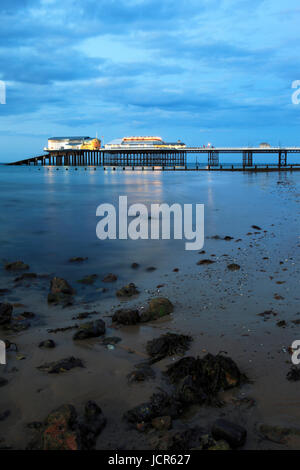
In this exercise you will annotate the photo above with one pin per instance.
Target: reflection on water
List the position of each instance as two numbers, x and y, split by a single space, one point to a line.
49 215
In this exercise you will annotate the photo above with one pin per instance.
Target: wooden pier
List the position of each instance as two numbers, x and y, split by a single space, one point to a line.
169 159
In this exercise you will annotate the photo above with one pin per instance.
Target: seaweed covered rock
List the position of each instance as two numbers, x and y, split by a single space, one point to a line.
91 329
127 291
63 365
60 291
47 343
208 375
126 317
63 429
5 313
158 307
77 259
160 404
89 279
16 266
168 345
190 392
110 278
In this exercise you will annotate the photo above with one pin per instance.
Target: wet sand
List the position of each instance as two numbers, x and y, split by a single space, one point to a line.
219 308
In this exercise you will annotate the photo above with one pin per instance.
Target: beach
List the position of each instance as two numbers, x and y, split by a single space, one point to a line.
249 313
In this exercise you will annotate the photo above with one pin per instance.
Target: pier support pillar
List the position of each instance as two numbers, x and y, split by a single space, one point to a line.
247 159
282 158
213 158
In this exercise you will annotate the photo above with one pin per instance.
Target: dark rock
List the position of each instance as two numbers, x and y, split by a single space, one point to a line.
232 433
110 278
60 286
17 325
127 291
228 239
233 267
3 382
26 277
278 297
91 329
281 323
5 313
150 269
205 262
16 266
60 366
88 280
294 374
27 315
60 292
135 265
126 317
48 343
160 404
91 425
267 314
256 227
158 307
77 259
168 345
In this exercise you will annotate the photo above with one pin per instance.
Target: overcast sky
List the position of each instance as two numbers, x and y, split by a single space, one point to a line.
196 70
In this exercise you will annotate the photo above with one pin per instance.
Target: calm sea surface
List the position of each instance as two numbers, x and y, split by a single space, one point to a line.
48 216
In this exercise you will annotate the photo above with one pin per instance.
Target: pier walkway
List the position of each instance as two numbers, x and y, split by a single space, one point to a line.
171 159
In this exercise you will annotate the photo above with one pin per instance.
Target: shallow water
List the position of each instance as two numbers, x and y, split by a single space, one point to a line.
49 215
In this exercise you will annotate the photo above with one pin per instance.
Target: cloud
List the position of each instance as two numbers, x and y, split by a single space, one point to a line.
145 65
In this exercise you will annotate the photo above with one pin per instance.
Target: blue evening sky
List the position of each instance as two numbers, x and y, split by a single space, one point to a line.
197 70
